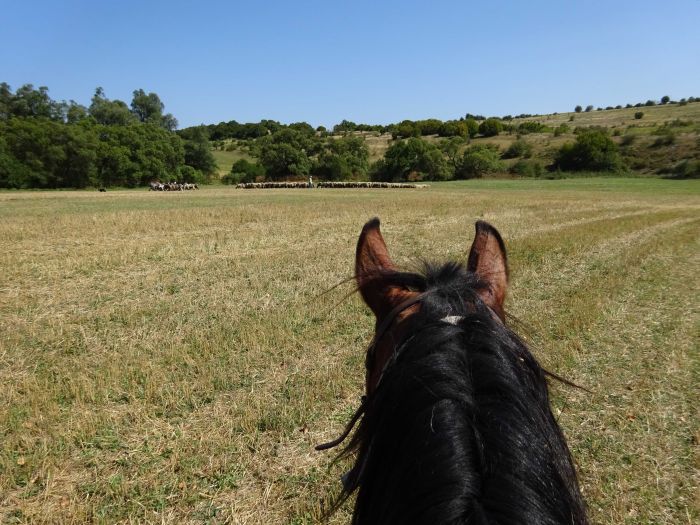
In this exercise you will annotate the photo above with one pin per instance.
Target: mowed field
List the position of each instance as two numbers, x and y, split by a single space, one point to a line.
172 357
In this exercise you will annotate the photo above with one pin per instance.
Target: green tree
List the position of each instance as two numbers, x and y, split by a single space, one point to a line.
345 126
109 112
147 107
286 153
519 148
454 128
578 109
451 148
412 159
405 129
244 171
429 126
75 112
30 102
477 161
472 127
198 154
39 153
344 158
593 150
490 127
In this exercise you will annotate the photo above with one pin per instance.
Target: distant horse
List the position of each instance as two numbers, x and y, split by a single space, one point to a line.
456 425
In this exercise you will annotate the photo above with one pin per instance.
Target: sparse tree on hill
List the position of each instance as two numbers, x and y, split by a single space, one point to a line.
578 109
665 99
472 127
589 108
490 127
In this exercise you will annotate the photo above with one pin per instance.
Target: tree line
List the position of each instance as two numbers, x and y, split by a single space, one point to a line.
662 102
46 143
293 154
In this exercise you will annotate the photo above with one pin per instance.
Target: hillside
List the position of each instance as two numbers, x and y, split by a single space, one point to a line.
655 144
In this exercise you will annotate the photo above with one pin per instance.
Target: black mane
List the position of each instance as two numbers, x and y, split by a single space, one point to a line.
460 429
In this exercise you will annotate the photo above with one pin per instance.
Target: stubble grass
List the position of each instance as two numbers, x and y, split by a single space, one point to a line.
172 357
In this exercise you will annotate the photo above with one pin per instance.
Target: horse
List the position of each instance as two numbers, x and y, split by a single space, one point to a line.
455 425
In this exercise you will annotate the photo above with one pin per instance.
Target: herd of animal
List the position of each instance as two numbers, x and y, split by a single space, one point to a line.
172 186
328 184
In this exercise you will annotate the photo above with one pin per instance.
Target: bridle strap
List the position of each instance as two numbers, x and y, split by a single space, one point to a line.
391 317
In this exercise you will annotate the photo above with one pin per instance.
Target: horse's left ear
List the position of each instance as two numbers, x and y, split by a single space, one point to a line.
372 263
487 259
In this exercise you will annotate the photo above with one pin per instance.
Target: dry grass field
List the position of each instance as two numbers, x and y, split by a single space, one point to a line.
172 357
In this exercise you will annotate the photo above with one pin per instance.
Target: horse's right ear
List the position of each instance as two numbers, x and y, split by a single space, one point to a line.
372 264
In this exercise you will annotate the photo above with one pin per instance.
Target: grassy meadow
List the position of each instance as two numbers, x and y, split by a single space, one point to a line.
172 357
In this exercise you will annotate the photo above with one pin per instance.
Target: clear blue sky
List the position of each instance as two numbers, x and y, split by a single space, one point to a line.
368 61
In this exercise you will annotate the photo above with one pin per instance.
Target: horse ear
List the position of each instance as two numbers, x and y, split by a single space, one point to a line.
487 259
372 263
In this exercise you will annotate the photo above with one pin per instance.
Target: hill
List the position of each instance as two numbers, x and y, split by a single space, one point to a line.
663 141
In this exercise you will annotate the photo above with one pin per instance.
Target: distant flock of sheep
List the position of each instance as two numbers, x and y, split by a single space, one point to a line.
176 186
352 184
172 186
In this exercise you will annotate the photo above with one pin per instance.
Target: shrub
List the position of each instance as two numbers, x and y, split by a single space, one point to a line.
571 118
191 175
578 109
687 169
490 127
650 103
665 99
589 108
666 138
593 150
454 128
519 148
638 115
561 129
628 140
477 161
531 127
527 168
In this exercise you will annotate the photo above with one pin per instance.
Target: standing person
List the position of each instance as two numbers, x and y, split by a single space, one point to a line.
311 181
